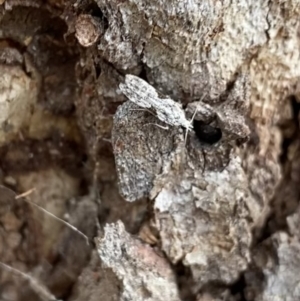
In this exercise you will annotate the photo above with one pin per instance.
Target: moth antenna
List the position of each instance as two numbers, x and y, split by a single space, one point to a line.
191 122
158 125
193 117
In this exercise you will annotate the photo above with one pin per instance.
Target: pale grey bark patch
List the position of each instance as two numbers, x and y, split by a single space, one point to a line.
204 218
279 260
203 206
145 274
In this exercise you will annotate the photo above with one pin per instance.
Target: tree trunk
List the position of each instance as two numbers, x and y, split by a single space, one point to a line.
166 132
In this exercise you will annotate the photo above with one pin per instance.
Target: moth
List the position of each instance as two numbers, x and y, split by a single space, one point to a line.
227 119
144 95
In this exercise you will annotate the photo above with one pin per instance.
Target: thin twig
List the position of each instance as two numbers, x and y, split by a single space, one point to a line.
25 194
59 219
39 288
23 197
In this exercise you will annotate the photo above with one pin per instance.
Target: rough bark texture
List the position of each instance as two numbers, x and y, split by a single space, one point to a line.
167 132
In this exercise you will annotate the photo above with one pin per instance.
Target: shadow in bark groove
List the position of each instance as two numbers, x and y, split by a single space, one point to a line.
185 282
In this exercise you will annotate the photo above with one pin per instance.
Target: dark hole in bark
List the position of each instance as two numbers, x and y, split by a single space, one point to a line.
96 12
185 282
143 74
93 9
207 133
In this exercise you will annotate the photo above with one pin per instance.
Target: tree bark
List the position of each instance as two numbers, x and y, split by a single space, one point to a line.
167 133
